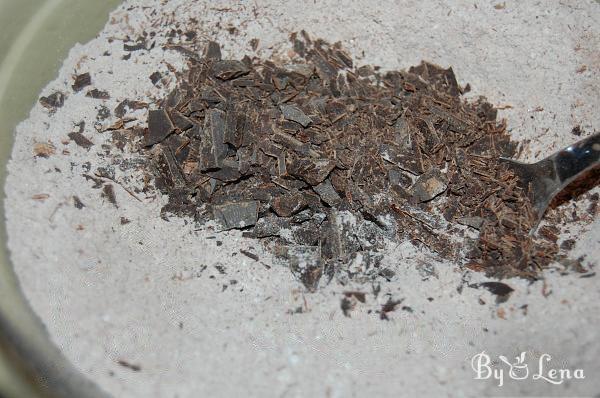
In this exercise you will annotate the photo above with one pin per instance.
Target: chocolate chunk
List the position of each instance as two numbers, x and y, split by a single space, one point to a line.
473 222
81 140
429 185
212 147
289 204
97 94
124 106
295 114
103 113
568 244
327 193
226 174
53 101
160 127
235 123
312 171
170 172
249 254
125 364
81 81
500 289
108 193
290 142
213 51
227 70
237 215
155 77
270 226
442 79
181 122
389 306
140 45
410 160
78 203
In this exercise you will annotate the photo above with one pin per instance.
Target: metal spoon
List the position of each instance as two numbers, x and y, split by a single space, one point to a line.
546 178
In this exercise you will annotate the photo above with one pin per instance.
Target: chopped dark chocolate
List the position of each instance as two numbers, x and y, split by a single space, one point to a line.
389 306
81 140
108 193
326 161
53 101
289 204
98 94
500 289
327 193
212 144
78 203
295 114
249 254
160 127
346 306
227 70
473 222
140 45
213 51
360 296
81 81
155 77
312 171
124 106
236 214
429 185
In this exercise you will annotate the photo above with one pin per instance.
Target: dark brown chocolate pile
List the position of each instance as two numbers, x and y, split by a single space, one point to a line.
324 161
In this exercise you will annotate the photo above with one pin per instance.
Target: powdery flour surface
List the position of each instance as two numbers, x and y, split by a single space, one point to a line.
205 320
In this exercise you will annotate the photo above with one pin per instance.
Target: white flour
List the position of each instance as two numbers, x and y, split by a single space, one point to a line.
149 292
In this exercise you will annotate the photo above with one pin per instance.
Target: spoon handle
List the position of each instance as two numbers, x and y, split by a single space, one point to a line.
576 159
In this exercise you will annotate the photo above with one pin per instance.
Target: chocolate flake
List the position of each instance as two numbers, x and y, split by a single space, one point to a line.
236 215
140 45
78 203
346 306
126 364
500 289
160 127
81 81
108 193
98 94
389 306
249 254
327 193
429 185
53 101
213 51
212 147
155 77
124 106
81 140
228 70
360 296
295 114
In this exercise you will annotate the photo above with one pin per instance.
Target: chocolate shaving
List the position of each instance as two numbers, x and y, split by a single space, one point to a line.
81 140
53 101
81 81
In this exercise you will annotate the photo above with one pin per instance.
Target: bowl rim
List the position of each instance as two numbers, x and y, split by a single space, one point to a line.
31 363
